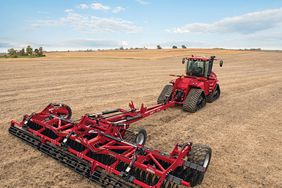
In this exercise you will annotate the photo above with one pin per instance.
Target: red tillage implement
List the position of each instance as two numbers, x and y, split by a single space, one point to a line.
102 148
96 147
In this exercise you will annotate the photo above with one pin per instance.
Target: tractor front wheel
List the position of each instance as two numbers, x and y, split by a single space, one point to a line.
194 101
200 155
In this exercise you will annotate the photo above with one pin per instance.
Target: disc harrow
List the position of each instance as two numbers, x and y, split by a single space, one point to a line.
96 147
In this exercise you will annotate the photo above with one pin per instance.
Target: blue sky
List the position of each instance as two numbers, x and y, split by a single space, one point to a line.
85 24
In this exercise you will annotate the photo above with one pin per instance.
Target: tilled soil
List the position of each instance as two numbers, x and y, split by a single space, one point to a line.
243 127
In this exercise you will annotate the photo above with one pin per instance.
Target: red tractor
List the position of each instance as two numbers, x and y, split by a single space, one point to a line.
193 90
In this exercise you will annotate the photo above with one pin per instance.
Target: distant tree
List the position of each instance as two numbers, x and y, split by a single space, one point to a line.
174 47
12 52
29 50
22 52
183 46
159 47
40 51
36 51
121 48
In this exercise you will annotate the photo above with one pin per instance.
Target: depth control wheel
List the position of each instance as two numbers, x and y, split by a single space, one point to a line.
61 110
141 137
135 136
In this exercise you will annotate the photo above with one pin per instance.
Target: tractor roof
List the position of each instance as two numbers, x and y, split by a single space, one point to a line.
198 58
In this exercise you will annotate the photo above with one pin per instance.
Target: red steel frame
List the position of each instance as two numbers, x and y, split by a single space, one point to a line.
102 134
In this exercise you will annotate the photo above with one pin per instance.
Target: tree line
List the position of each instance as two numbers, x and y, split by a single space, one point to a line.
173 47
28 51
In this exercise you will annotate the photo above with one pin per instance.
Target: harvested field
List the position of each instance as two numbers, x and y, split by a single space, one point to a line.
244 127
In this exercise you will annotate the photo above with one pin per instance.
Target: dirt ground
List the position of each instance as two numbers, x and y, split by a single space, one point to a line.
244 127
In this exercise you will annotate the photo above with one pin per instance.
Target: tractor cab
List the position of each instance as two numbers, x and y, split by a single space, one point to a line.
199 66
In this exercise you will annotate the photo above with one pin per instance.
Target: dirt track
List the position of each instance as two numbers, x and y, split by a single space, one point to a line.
244 127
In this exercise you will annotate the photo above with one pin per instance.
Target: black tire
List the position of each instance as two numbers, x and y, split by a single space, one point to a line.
201 155
131 135
69 111
141 137
194 101
167 91
214 95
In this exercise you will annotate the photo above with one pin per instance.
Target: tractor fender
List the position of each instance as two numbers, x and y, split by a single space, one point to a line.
199 85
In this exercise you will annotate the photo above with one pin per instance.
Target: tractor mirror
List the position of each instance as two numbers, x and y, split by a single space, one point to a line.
183 60
221 63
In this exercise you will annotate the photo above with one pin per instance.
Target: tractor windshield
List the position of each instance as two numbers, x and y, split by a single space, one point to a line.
195 68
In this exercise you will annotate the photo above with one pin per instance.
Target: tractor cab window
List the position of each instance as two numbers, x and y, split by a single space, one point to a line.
195 68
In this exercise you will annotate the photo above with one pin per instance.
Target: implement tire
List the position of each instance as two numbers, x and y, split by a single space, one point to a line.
68 111
200 155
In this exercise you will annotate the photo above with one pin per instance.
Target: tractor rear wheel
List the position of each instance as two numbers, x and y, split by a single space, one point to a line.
194 101
214 95
166 92
200 155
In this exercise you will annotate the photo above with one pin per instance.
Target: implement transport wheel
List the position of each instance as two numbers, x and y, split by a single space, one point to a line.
214 95
135 136
166 93
61 110
200 155
194 101
141 137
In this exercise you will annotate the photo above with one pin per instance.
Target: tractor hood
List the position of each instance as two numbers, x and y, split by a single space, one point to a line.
184 83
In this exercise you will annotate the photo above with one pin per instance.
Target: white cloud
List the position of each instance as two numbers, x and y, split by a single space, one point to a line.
99 6
102 7
18 45
73 44
92 43
89 24
143 2
244 24
68 10
83 6
124 43
118 9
